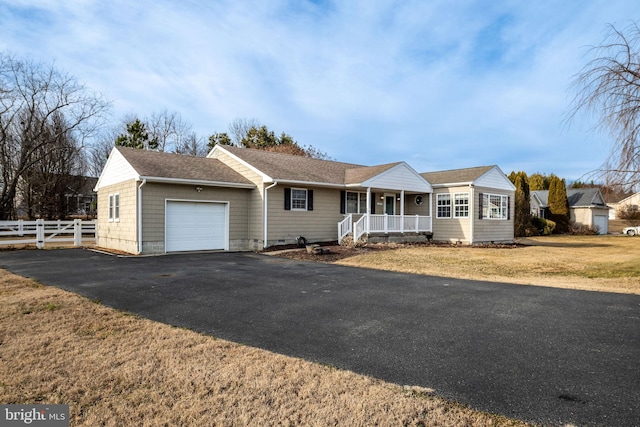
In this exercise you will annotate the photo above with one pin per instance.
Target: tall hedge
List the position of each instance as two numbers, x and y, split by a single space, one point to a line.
559 204
522 215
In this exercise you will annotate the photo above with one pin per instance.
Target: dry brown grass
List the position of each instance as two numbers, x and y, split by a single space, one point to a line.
595 263
115 369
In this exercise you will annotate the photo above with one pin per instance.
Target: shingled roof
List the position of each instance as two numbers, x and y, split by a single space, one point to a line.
359 175
287 167
456 176
577 197
158 165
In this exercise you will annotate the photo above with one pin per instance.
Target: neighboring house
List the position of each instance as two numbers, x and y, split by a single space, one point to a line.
586 207
245 199
79 199
633 201
472 205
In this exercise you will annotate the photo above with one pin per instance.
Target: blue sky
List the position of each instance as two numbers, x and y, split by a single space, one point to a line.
439 84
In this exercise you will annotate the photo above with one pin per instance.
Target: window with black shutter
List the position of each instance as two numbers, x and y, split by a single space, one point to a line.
298 199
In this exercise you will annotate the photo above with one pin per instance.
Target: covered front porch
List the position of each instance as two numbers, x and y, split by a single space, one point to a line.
383 224
385 213
386 199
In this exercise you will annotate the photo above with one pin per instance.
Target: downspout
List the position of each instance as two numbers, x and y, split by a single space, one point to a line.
472 216
264 212
139 197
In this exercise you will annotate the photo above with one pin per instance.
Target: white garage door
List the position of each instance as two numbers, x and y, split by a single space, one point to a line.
602 221
195 226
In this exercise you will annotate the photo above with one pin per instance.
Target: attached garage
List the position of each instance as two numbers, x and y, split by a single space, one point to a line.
196 226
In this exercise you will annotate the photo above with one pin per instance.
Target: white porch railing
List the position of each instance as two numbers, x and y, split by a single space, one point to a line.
41 232
345 227
359 228
391 224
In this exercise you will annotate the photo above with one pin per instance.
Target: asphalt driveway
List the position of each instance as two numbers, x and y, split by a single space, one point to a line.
539 354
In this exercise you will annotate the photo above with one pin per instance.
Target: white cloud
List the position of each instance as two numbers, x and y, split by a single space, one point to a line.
439 84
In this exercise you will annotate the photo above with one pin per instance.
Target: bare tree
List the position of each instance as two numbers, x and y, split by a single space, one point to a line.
608 87
239 129
169 128
34 101
95 155
192 145
44 185
630 214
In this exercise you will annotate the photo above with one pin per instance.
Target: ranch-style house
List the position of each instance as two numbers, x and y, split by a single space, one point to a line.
240 199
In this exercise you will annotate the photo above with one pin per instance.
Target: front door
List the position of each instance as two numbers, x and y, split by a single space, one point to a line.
390 204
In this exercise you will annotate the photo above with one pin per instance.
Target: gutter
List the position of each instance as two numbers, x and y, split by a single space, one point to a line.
139 197
265 206
309 183
196 182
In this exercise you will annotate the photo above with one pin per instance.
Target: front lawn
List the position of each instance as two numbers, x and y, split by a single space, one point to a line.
115 369
597 263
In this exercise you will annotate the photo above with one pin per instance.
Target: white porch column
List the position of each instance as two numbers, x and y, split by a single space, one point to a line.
402 211
368 224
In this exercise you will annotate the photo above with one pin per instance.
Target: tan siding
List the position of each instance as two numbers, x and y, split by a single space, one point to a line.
320 224
451 229
491 230
586 216
120 235
410 208
255 232
154 197
581 216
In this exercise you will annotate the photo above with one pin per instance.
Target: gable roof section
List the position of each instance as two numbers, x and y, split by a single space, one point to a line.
116 170
394 176
456 176
290 169
541 196
169 168
577 197
627 199
356 176
585 197
486 176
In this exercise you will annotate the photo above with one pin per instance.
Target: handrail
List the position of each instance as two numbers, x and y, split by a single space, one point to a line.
359 228
372 223
345 227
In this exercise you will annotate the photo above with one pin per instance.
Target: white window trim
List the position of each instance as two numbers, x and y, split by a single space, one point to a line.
361 204
455 215
114 208
486 207
438 196
306 199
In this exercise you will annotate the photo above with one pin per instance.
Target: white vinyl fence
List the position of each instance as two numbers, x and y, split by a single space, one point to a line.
43 232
